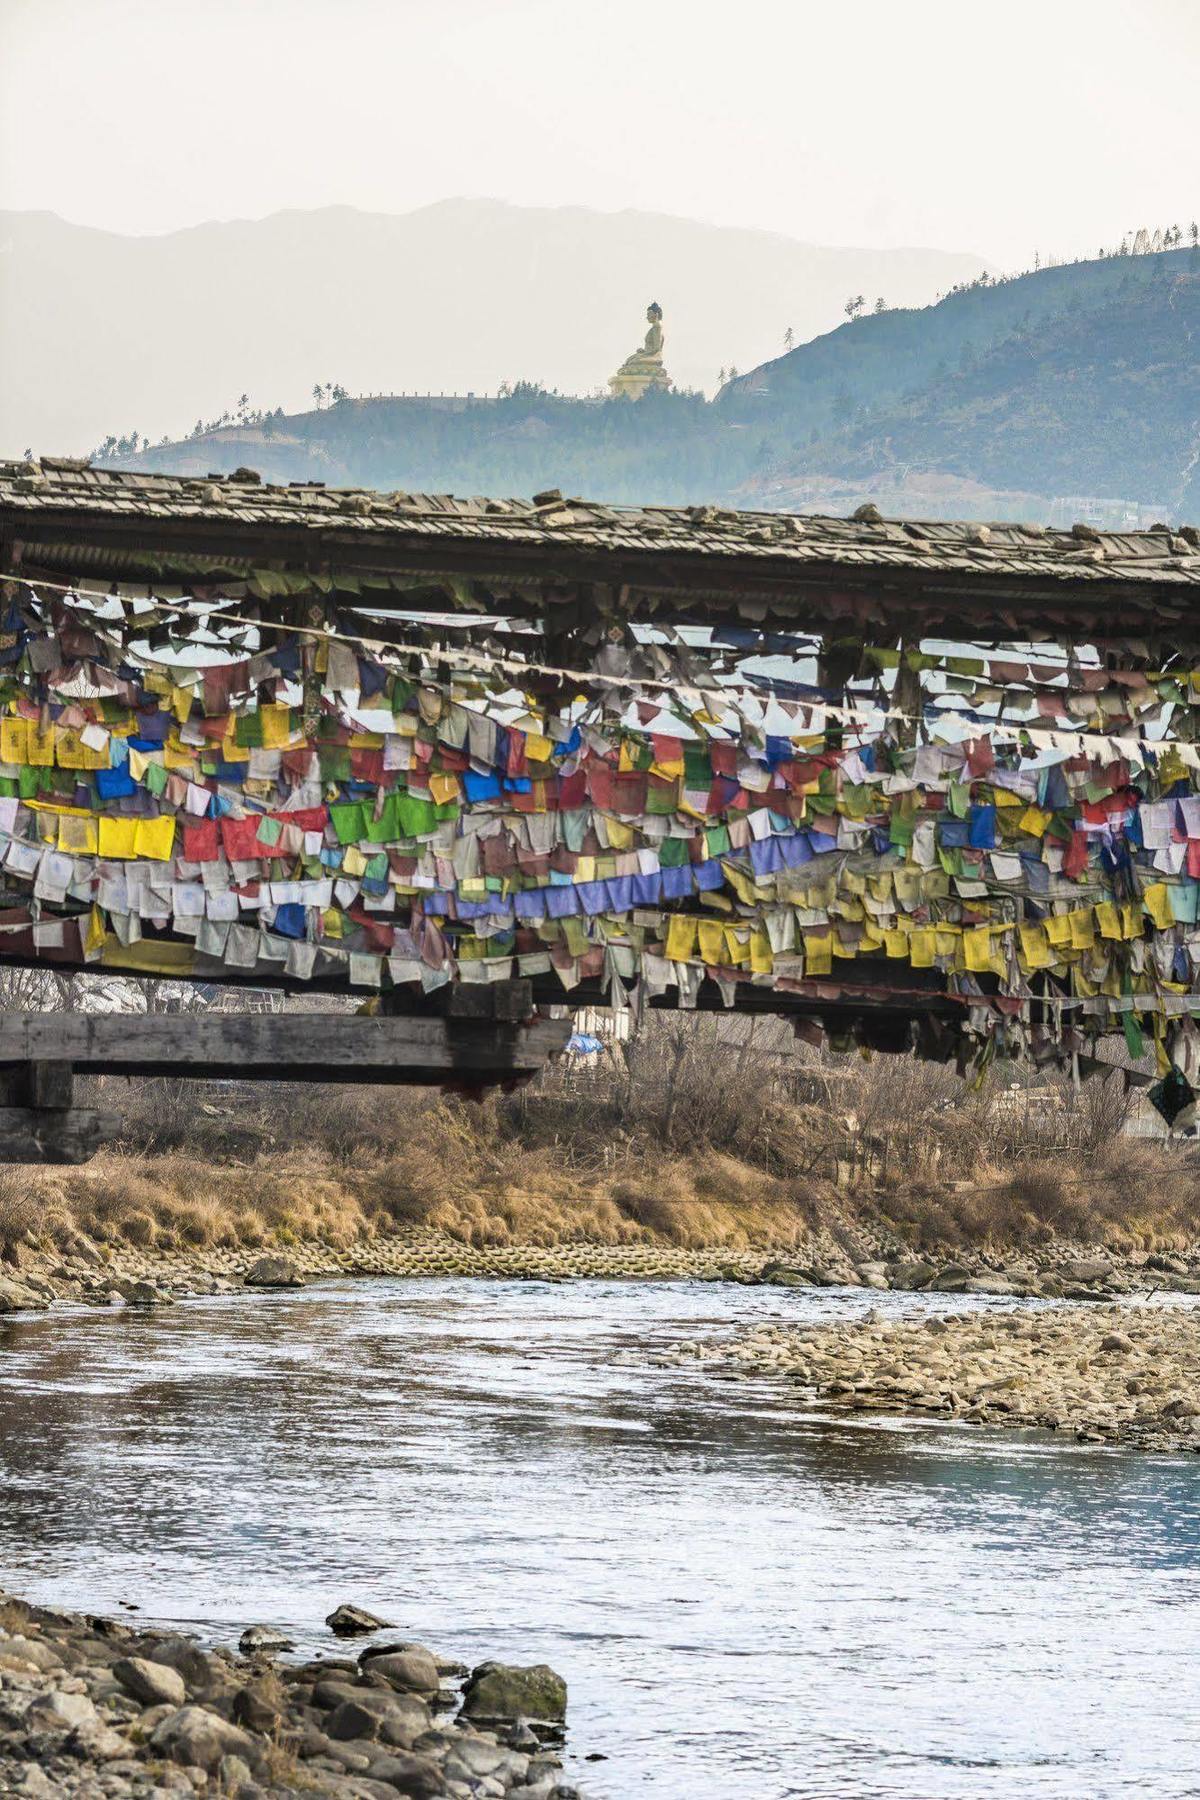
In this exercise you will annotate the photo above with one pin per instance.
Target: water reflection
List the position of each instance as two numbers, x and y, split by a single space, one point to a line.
746 1599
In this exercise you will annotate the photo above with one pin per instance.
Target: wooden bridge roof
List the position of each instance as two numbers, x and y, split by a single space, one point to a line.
132 522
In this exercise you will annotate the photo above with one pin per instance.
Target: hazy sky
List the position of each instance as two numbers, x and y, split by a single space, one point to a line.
998 126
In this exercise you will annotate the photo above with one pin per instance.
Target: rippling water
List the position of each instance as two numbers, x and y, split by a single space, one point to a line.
746 1599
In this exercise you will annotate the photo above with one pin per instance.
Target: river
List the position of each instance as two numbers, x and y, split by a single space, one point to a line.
746 1599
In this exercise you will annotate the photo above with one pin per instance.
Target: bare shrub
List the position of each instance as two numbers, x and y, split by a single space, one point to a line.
21 1207
702 1129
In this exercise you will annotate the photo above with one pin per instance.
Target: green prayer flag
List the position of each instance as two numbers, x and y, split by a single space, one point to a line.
1135 1043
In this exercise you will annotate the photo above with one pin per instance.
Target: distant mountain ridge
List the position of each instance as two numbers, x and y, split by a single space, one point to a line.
106 334
1070 388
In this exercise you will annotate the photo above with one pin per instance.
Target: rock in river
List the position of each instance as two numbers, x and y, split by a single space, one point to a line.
274 1272
501 1691
352 1621
263 1640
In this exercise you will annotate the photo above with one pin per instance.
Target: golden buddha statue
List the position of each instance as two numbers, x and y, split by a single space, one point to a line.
643 371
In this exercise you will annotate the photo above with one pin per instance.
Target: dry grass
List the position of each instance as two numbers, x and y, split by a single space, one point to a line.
692 1134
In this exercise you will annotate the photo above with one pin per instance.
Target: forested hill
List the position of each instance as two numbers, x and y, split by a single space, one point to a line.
864 365
1000 401
1088 403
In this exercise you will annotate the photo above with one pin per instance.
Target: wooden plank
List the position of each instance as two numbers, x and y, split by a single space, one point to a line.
285 1046
28 1135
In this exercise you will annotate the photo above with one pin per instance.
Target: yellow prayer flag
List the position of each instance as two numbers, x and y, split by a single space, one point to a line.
977 948
712 942
155 838
40 749
1083 928
761 960
1035 947
1157 902
908 887
150 956
14 740
737 946
77 835
922 946
277 727
444 788
178 756
93 938
73 753
818 952
681 938
1108 919
117 837
741 884
1034 821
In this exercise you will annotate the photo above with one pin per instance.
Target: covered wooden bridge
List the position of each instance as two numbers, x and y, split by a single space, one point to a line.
926 784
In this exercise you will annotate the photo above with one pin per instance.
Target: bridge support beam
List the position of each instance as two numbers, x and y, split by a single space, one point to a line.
41 1052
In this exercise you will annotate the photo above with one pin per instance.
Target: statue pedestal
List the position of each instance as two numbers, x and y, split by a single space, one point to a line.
637 375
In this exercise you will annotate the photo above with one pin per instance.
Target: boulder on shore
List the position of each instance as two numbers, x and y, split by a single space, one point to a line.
151 1683
274 1272
199 1738
16 1297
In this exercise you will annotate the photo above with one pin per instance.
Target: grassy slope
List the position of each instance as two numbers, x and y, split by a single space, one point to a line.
698 1143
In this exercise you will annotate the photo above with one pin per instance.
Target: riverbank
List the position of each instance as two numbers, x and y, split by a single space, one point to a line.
684 1154
39 1274
89 1706
1112 1374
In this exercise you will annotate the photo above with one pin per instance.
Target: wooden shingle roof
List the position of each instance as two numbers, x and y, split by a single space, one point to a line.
1079 553
698 561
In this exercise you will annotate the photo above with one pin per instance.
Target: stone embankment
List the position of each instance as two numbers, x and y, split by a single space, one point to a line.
91 1708
119 1275
1107 1374
116 1275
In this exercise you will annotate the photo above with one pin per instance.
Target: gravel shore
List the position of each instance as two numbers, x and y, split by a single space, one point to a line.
1107 1374
91 1708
